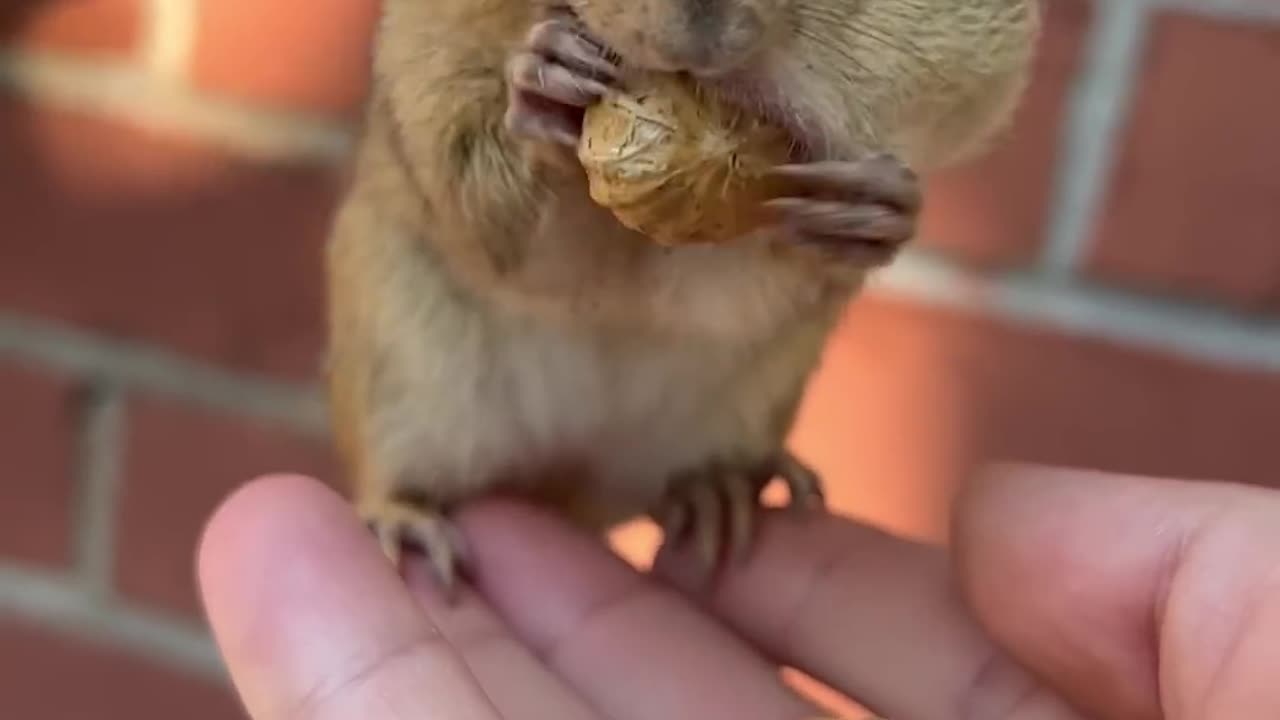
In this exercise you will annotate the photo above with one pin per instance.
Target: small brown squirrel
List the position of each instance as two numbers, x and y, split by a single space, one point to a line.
494 330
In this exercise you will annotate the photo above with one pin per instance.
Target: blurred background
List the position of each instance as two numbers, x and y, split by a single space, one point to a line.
1103 290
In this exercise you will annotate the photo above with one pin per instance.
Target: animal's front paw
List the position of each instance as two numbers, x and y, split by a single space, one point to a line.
560 71
715 506
859 212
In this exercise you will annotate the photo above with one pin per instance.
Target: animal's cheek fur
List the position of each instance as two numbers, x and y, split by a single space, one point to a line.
676 35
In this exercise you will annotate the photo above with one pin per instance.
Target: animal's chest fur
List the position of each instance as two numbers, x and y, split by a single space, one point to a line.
617 420
699 353
590 424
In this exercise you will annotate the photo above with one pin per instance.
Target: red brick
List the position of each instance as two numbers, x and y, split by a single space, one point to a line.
307 54
180 463
159 239
1195 197
994 208
52 676
92 27
37 442
910 399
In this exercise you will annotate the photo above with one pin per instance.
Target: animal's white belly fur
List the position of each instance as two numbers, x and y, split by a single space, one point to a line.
632 419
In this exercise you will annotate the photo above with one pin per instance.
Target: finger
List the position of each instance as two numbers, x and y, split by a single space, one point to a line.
1140 598
529 116
741 502
708 527
882 178
675 518
871 616
533 74
314 623
515 680
841 220
559 41
803 483
636 651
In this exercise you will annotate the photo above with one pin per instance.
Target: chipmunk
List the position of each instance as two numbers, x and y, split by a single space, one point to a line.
494 330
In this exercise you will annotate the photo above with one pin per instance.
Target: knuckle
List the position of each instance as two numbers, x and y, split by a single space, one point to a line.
526 71
890 165
884 159
545 32
590 46
900 231
891 227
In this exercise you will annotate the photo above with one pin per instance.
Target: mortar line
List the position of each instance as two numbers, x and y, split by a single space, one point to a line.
1265 10
1205 333
128 365
1100 103
170 38
57 603
100 449
123 92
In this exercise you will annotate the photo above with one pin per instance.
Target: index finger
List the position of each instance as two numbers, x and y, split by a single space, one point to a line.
314 623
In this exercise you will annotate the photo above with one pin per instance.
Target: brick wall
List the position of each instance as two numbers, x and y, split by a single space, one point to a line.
1103 289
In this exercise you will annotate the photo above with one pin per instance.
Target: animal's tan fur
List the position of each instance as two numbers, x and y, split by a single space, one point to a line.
492 328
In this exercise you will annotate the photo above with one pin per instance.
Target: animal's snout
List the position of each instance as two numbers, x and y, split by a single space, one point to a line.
721 36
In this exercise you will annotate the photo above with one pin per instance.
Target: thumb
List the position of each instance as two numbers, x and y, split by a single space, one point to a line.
1135 597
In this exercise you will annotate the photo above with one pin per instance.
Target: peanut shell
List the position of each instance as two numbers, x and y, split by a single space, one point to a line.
676 165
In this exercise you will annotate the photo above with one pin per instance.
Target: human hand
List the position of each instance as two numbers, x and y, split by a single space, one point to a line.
1120 597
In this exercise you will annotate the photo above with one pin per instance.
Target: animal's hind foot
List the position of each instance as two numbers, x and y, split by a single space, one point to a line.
398 523
715 506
